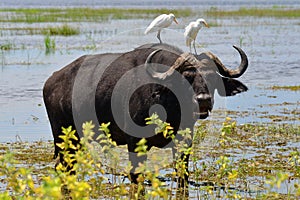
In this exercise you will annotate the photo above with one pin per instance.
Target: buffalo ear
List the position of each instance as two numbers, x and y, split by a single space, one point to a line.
231 87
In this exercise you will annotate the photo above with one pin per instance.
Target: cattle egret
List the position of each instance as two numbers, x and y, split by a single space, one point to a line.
192 30
160 22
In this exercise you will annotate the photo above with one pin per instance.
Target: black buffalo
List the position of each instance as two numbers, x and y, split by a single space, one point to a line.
122 88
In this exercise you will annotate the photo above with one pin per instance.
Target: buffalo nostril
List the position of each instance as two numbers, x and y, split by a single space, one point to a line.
203 97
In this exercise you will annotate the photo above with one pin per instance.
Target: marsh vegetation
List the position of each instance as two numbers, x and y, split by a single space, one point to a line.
40 15
276 11
233 161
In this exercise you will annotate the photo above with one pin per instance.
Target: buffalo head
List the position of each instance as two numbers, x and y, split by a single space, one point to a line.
205 74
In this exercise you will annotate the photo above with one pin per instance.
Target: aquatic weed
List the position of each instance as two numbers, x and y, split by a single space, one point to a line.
254 12
38 15
49 44
64 30
6 47
292 88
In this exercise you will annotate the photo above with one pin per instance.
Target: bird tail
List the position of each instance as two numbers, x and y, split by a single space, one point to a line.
151 29
188 41
147 31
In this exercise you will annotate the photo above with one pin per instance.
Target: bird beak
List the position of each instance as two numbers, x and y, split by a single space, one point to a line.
175 21
206 24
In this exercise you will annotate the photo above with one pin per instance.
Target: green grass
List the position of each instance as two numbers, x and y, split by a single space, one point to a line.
49 44
64 30
6 47
292 88
37 15
255 12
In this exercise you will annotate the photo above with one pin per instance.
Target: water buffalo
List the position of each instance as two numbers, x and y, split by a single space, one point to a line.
124 88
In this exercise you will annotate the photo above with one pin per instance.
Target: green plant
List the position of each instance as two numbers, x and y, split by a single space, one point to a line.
292 88
294 161
267 163
228 129
21 184
6 47
64 30
277 179
254 11
38 15
49 44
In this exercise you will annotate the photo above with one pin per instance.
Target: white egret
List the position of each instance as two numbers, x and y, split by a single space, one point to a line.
192 30
160 22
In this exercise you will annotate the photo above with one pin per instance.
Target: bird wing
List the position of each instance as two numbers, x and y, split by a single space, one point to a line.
190 33
188 39
162 21
187 29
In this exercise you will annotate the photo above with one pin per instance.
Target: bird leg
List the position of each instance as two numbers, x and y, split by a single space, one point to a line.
194 45
158 36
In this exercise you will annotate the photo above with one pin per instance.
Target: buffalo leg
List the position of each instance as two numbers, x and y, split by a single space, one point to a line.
134 159
182 179
56 125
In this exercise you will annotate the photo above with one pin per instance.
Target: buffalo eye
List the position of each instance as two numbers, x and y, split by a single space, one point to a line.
189 76
155 94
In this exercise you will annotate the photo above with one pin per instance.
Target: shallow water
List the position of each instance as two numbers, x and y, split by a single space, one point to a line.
272 46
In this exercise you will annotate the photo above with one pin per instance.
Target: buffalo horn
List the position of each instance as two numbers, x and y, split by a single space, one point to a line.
224 71
162 75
